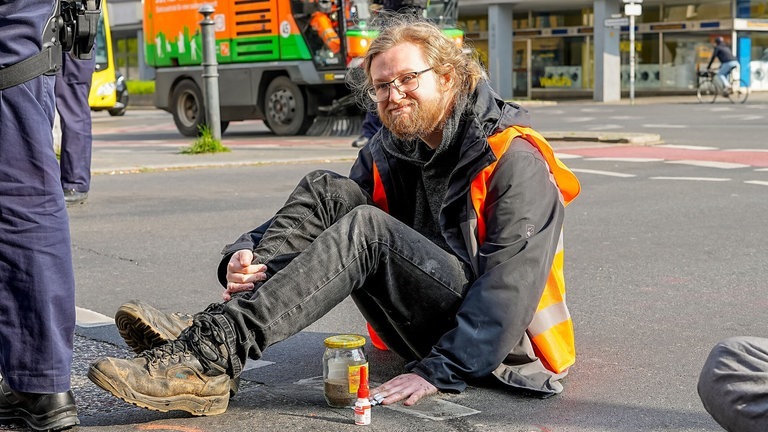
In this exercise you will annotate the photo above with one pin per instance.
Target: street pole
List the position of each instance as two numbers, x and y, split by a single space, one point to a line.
631 59
210 72
632 8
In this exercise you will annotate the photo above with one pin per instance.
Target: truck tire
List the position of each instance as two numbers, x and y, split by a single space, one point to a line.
285 108
187 108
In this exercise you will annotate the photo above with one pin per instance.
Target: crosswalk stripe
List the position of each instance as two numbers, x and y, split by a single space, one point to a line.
709 164
712 179
605 173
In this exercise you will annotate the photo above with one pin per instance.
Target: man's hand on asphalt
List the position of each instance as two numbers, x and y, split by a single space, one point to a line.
242 273
410 387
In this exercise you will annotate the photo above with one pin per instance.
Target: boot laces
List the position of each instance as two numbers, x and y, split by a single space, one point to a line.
171 352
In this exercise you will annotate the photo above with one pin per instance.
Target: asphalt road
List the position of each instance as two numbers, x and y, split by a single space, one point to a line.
661 262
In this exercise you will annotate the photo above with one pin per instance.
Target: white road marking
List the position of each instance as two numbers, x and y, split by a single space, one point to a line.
709 164
567 156
606 127
757 182
664 126
595 110
686 147
627 159
577 119
743 117
605 173
255 364
89 318
434 409
712 179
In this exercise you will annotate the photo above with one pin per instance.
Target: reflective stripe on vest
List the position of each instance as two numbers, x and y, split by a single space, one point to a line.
551 330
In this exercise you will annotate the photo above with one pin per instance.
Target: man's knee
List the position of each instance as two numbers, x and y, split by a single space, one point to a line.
331 183
733 381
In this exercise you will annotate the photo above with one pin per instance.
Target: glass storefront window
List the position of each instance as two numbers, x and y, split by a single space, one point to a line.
558 62
752 9
681 53
758 64
647 72
697 11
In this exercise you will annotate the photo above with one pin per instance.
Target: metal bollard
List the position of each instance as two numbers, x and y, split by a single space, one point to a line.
210 72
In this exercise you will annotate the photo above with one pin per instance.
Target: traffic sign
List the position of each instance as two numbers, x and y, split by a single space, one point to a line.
616 22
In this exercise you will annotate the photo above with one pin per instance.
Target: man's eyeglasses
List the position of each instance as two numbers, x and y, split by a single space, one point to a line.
404 83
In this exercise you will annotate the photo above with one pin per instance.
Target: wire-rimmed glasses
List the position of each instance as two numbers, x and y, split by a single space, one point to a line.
404 83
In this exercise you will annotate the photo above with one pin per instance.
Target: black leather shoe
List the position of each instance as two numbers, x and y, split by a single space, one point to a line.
42 412
72 196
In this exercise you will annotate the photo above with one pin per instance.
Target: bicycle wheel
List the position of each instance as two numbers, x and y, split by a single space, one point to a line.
739 92
706 92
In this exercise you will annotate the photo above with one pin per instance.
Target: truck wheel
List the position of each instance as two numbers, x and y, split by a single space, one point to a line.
285 108
187 108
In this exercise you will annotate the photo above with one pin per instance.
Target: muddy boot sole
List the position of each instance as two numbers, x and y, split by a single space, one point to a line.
193 404
139 332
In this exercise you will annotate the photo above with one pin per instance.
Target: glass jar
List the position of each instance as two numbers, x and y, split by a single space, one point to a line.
343 357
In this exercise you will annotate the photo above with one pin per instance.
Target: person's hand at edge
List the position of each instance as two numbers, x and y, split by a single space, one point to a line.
410 387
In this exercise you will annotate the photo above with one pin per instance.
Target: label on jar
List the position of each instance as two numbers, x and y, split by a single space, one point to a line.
353 377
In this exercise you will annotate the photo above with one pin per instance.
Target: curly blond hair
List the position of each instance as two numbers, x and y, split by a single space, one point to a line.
441 53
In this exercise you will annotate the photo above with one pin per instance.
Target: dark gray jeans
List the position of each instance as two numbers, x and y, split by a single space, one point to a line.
733 384
328 242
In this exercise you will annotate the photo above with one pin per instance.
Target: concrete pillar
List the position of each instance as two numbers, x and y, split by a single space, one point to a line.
607 58
500 49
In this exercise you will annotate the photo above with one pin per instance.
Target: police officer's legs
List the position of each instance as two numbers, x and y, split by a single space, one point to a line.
37 309
73 84
733 384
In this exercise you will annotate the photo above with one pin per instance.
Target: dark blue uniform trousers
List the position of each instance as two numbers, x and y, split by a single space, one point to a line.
37 287
73 84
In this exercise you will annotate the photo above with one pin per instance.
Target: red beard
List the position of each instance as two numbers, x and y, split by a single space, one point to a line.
423 118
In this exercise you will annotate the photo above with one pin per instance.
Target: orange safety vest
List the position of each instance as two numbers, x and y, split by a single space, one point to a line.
551 330
323 25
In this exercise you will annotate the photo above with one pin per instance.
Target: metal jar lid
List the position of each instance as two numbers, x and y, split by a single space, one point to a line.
345 341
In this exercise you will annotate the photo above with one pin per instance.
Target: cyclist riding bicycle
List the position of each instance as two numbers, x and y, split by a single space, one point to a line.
727 63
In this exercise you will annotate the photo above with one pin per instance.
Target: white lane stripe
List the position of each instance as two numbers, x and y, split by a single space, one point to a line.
606 127
712 179
627 159
605 173
577 119
709 164
567 156
757 182
89 318
686 147
664 126
761 169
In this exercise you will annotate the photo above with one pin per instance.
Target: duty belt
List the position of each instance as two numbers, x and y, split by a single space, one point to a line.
43 62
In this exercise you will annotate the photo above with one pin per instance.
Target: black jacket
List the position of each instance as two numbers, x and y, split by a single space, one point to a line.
524 220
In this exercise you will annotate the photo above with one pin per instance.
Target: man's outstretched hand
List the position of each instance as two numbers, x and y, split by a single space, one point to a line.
242 273
410 387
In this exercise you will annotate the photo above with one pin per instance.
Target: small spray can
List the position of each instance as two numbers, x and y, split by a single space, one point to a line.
363 405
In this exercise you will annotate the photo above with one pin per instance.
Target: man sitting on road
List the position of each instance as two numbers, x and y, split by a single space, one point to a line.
447 234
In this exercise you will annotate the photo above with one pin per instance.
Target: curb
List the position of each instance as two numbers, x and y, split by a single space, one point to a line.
644 139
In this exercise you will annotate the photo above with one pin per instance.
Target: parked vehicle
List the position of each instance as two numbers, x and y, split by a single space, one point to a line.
277 61
105 80
121 90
